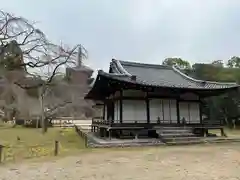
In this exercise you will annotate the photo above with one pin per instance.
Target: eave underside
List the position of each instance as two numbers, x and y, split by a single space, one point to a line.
105 86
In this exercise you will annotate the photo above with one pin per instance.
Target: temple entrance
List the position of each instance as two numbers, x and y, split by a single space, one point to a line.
163 111
189 112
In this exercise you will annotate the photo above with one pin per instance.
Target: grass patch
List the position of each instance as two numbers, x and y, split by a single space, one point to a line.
24 143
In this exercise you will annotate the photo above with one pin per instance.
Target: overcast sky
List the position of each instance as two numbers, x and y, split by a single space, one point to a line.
139 30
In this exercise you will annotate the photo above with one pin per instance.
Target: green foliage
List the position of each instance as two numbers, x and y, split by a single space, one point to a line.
215 73
218 63
177 61
226 107
234 62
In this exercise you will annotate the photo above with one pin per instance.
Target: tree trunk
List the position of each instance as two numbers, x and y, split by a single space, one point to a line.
45 127
43 120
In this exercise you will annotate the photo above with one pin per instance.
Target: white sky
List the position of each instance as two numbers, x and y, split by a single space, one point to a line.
139 30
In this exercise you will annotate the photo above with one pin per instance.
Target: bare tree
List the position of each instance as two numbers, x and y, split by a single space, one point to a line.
29 60
69 102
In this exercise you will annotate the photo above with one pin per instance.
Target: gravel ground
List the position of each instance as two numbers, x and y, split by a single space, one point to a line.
186 163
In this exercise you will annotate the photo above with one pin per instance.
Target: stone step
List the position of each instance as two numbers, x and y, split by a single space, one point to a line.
178 139
168 131
223 141
172 127
95 145
177 135
199 141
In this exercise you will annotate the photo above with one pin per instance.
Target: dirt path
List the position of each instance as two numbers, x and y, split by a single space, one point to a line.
171 163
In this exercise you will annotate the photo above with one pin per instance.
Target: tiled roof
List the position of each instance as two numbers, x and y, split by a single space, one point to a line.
82 68
159 75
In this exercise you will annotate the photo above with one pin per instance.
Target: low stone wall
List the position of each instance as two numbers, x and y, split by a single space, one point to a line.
96 142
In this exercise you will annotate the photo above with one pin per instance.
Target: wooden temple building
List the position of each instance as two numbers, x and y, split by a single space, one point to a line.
139 99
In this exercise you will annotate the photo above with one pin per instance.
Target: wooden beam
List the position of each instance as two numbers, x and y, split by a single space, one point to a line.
163 110
189 114
200 111
112 111
183 100
152 97
170 115
104 109
178 111
121 106
147 108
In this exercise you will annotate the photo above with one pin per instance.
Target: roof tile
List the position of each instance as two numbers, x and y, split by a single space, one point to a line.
161 75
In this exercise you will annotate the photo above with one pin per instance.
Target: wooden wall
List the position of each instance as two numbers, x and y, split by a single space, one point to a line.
164 110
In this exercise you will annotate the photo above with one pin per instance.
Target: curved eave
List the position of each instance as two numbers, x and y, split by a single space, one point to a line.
118 68
93 86
176 69
126 79
99 88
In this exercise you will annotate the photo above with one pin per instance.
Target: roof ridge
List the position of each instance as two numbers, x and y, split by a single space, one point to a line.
119 64
175 68
120 67
139 64
101 72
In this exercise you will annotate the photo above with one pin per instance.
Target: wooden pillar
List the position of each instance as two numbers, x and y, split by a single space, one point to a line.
121 107
170 116
189 115
104 109
110 134
147 109
112 110
200 111
178 111
163 115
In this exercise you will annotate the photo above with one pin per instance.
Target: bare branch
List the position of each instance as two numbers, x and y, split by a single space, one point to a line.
25 47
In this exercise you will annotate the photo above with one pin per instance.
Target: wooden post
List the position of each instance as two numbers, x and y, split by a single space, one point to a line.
56 145
110 134
1 153
121 107
170 115
178 111
86 141
104 109
163 116
41 99
200 111
148 110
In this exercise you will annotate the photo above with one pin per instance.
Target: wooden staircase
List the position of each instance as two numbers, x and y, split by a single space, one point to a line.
178 135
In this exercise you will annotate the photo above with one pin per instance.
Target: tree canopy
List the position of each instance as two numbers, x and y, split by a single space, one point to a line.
227 106
183 64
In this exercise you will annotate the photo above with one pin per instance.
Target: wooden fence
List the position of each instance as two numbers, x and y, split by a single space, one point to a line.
82 134
69 121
